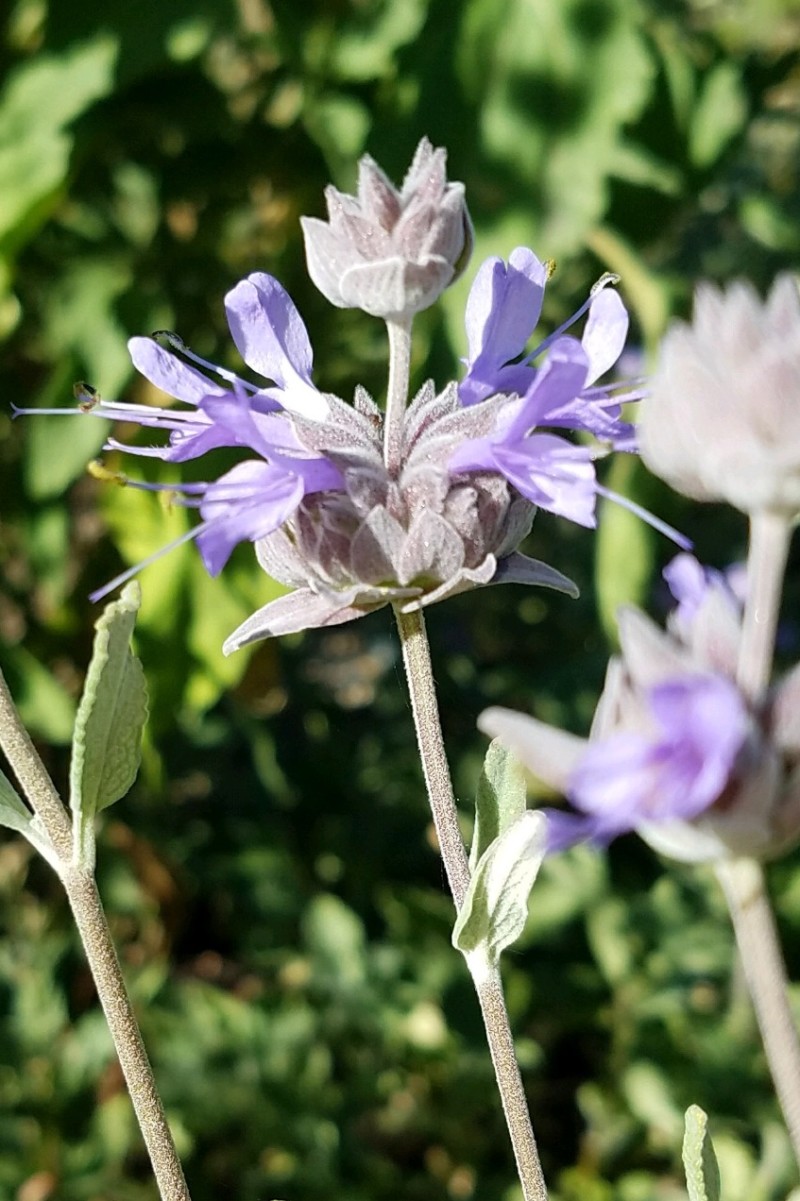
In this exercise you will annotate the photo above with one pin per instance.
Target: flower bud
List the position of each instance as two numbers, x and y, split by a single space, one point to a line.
722 421
389 252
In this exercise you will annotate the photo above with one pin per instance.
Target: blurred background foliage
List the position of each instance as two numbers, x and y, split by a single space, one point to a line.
272 879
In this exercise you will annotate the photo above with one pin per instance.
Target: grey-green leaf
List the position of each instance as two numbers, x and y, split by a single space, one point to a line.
500 798
106 745
496 905
15 815
699 1160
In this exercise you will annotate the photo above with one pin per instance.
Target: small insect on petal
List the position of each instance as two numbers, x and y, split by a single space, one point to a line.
87 396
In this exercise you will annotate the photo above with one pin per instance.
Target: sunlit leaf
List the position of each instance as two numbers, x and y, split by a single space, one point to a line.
500 798
40 100
699 1160
496 905
106 746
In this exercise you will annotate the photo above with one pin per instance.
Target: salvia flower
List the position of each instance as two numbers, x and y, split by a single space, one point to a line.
503 310
257 495
722 421
391 252
676 753
348 516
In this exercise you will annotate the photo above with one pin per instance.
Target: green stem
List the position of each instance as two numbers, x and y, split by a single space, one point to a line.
488 984
99 949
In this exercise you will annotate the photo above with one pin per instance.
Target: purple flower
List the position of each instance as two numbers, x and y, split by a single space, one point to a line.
503 310
675 752
254 498
548 470
349 508
674 771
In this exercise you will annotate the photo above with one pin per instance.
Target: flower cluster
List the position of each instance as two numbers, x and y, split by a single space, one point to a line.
676 753
331 511
722 421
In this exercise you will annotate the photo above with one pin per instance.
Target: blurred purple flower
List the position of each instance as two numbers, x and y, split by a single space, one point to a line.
675 751
673 772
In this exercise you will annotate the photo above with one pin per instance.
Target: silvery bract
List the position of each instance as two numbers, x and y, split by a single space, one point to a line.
332 513
722 421
675 752
391 252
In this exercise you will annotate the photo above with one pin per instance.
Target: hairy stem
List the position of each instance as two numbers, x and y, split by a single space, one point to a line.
397 393
93 928
743 879
96 938
757 939
416 656
770 535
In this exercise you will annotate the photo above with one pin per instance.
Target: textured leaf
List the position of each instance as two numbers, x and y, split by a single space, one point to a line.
499 800
106 746
699 1160
15 815
496 906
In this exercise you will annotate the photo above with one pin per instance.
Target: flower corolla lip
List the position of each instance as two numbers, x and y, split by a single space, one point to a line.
722 418
551 472
503 310
391 252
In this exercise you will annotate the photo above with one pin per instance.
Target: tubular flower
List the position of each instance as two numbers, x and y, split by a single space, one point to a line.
503 310
391 253
675 752
722 421
354 508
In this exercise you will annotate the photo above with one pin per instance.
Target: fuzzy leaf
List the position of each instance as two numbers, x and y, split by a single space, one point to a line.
106 746
499 800
496 905
699 1160
15 815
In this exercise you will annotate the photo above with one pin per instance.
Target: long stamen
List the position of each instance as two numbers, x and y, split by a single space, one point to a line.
176 343
639 511
124 576
604 281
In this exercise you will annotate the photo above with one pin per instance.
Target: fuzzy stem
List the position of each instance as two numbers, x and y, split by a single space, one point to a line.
93 928
397 393
743 879
770 535
422 690
760 951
